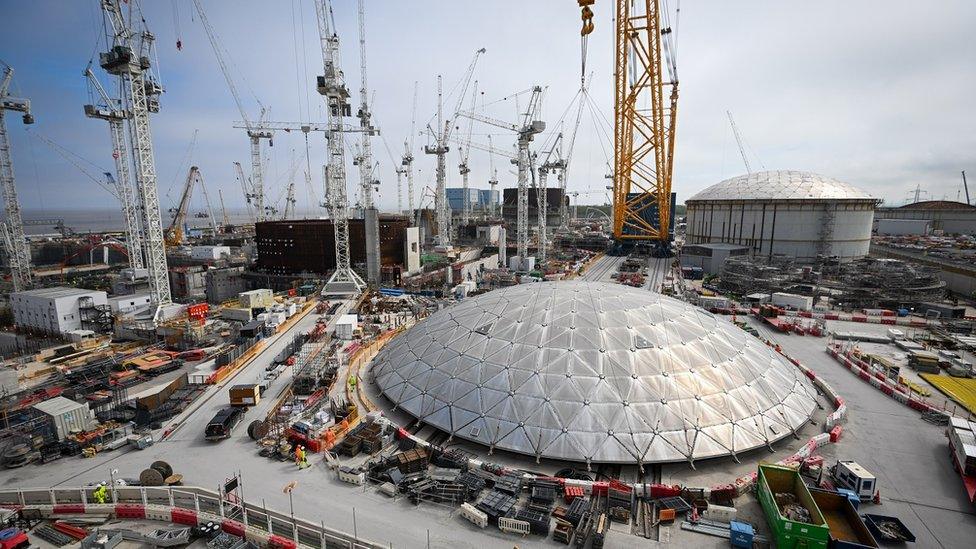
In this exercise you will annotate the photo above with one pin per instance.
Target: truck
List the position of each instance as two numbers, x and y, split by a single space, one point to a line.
848 474
793 516
847 529
245 395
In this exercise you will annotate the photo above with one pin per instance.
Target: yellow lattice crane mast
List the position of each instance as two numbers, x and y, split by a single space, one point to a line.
645 111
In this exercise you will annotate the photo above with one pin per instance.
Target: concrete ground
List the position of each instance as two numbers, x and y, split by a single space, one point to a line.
909 457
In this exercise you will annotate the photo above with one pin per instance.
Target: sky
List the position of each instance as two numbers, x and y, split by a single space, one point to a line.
876 93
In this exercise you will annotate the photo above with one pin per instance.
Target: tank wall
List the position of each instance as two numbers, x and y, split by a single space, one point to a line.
790 228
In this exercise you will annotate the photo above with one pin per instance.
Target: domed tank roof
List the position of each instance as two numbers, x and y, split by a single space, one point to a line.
593 372
781 185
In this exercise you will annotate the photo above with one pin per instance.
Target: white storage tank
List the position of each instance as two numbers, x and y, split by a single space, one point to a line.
797 214
66 415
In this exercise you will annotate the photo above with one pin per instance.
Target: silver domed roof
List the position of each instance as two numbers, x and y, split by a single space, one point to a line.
781 185
591 371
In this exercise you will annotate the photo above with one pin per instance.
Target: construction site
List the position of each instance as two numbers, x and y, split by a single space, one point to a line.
776 360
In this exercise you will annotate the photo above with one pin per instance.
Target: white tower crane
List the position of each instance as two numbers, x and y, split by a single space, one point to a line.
15 241
492 180
129 59
111 110
365 162
553 161
442 136
463 166
406 162
526 130
332 86
254 132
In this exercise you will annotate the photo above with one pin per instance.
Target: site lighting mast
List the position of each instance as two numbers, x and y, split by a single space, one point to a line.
526 129
442 135
15 241
332 86
112 111
129 58
365 162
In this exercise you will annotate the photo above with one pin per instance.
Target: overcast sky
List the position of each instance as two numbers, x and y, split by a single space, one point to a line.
877 93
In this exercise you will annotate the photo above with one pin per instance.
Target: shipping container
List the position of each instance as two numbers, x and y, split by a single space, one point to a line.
245 395
847 530
775 480
66 415
239 314
798 302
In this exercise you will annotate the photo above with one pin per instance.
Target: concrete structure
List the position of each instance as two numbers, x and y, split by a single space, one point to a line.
66 416
798 214
209 252
553 197
224 283
188 283
127 303
131 281
593 372
489 234
54 310
711 256
900 227
945 215
411 250
261 298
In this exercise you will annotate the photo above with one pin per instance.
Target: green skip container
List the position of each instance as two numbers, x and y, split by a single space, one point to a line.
789 534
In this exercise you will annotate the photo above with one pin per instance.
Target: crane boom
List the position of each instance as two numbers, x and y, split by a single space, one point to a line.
365 160
254 133
407 160
174 234
738 140
644 121
15 241
463 166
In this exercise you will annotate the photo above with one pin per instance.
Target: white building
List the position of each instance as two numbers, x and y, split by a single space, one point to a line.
126 303
53 310
710 257
209 252
797 214
345 327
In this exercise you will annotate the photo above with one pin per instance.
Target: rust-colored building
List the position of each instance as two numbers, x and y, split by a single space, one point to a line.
298 246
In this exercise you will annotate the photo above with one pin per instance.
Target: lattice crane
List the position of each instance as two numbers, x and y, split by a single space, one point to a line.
552 162
129 58
644 119
332 86
442 136
15 241
113 111
254 132
463 166
174 234
526 129
406 161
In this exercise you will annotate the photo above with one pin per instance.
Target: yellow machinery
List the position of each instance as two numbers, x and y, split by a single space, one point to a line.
645 111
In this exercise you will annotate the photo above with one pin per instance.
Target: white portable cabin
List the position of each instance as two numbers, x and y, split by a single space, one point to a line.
852 476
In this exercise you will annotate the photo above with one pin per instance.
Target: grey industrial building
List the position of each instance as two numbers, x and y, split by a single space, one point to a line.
946 215
56 310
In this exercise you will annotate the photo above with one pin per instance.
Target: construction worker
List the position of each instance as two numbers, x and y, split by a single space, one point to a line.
299 455
100 493
304 464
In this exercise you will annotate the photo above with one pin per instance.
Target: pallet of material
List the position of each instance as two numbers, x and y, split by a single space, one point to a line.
538 522
411 461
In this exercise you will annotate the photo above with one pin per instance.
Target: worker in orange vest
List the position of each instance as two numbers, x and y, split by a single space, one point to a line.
299 455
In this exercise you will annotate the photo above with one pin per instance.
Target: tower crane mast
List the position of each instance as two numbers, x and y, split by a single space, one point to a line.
406 162
365 162
526 129
129 59
552 162
332 86
112 111
442 136
15 241
463 166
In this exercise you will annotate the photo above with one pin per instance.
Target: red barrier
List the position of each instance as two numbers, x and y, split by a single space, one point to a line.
838 402
69 509
184 516
810 374
806 314
278 542
74 531
831 316
835 433
620 486
232 527
888 321
887 390
600 488
130 511
572 492
664 491
402 433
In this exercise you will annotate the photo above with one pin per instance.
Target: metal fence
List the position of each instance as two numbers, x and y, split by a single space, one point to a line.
201 501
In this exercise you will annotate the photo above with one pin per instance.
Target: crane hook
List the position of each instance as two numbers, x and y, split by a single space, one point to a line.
586 15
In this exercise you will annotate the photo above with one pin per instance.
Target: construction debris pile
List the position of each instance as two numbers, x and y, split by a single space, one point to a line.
790 508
